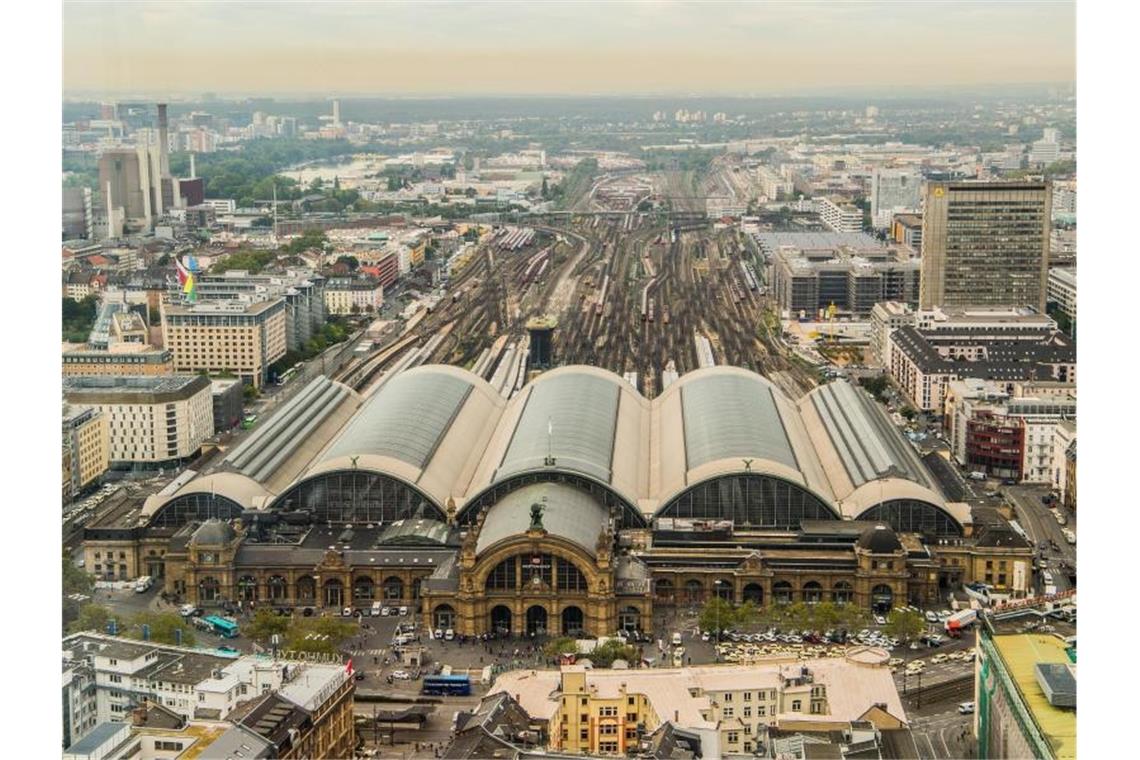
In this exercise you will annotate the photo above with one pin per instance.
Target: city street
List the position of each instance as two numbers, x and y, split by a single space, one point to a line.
1040 525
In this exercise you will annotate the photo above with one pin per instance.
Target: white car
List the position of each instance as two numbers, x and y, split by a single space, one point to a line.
448 635
346 612
385 611
403 611
966 708
438 634
401 675
880 620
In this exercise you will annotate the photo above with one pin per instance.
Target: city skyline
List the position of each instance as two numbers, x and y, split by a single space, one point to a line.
658 47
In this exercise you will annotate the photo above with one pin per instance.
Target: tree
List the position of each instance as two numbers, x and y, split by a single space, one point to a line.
877 386
604 654
717 615
163 260
908 412
905 624
545 192
559 646
265 624
162 627
322 635
351 262
75 581
92 617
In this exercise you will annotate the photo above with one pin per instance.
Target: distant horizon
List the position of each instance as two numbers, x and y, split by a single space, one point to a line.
627 48
1017 89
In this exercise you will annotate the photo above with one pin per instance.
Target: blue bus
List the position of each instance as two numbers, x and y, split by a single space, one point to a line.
227 629
458 686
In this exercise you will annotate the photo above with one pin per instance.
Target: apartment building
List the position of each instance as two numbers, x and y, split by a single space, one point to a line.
151 421
985 244
87 447
350 295
1064 462
1063 291
124 359
1007 433
302 290
839 217
294 708
601 712
924 362
886 317
231 337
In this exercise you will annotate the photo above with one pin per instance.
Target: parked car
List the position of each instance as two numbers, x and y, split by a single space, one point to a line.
359 675
403 611
449 635
966 708
401 675
880 620
385 611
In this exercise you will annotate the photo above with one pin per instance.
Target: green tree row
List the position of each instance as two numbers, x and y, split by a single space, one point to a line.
162 625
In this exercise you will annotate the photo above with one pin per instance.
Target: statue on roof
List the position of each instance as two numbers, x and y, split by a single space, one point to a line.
536 510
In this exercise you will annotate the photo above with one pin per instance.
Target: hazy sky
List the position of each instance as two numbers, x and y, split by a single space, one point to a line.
652 46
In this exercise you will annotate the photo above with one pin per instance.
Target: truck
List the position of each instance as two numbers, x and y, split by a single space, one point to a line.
960 620
143 584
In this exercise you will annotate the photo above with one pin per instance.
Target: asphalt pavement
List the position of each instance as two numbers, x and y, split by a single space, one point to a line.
1040 525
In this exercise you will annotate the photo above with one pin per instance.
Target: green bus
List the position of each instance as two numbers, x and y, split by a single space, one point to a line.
227 629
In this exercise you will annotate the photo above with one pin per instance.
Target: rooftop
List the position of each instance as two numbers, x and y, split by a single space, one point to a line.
104 385
854 686
1021 654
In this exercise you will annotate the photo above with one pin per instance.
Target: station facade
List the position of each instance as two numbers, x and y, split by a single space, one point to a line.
576 506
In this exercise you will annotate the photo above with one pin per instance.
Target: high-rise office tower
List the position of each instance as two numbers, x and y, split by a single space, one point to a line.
985 244
336 113
893 190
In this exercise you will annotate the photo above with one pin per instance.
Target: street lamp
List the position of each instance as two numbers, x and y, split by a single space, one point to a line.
716 593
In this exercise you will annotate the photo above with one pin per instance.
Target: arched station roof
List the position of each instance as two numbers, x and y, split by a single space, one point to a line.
446 433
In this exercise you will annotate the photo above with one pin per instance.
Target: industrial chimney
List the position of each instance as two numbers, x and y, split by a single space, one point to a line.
163 142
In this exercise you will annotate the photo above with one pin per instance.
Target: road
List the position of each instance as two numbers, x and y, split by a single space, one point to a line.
1040 525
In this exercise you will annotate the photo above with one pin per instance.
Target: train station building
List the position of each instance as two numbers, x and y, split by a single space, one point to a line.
577 505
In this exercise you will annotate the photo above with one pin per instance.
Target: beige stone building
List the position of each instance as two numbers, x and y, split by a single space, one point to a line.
226 337
345 295
576 506
151 420
86 447
599 712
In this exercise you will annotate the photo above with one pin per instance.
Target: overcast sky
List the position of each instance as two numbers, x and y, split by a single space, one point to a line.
472 48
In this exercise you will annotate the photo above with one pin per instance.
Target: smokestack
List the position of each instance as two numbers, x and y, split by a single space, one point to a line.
163 142
192 174
110 213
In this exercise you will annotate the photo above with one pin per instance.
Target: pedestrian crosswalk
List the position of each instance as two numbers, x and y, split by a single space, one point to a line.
367 652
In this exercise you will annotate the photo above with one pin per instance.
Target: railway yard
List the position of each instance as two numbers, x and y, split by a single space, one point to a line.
646 295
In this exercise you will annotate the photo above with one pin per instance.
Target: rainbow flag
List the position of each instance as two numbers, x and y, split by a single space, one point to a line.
186 280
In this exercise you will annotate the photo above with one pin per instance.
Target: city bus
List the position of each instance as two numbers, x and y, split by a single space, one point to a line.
227 629
459 686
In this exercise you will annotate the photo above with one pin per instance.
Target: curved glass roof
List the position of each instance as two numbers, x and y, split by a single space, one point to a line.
567 512
733 416
867 444
405 420
571 416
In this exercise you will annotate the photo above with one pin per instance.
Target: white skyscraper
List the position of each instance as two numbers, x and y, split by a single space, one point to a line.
893 190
